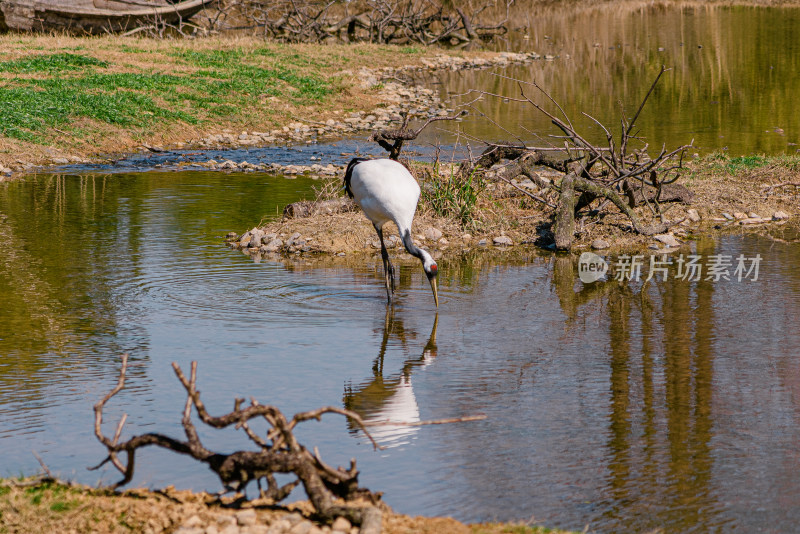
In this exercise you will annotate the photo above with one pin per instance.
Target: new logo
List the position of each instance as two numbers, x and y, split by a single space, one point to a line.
591 267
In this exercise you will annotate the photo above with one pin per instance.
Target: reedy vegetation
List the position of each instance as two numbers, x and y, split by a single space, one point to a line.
452 195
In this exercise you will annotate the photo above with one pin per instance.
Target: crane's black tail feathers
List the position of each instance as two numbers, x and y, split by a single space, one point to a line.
349 174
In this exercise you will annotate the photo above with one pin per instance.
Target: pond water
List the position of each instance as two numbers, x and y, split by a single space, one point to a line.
735 74
619 405
611 404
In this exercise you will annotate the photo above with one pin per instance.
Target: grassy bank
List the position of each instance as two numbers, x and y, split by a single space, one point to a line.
67 97
27 506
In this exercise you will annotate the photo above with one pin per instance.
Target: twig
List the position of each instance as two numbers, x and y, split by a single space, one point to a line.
518 188
782 184
447 421
44 466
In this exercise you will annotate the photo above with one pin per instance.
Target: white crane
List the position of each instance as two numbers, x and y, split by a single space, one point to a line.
386 191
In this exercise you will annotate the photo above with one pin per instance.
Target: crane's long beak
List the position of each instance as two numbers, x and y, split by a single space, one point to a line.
435 291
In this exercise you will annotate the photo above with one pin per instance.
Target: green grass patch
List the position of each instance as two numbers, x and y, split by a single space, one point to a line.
26 111
745 163
70 87
234 72
131 49
722 163
36 493
63 506
52 63
453 196
222 59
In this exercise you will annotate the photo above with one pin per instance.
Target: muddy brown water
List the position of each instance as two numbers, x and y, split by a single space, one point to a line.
610 404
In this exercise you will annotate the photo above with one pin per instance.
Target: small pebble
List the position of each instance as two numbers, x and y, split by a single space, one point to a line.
600 244
667 239
341 525
780 215
274 245
193 522
281 525
293 239
433 234
246 517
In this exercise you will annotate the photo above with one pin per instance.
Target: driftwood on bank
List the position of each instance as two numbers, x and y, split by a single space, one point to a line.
591 172
639 193
376 21
332 491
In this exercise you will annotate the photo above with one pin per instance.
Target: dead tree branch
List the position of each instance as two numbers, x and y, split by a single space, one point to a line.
590 171
392 140
375 21
279 452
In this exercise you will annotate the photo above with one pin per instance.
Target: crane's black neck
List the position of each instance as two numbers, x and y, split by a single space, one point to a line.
348 174
411 247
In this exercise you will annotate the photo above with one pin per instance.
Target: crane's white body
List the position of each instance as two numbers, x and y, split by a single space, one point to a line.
386 191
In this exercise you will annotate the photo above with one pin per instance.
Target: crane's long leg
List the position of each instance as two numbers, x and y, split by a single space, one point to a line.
388 268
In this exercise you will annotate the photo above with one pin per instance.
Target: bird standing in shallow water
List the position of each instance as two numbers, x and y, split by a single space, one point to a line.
386 191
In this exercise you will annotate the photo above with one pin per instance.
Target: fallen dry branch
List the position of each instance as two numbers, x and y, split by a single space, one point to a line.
279 452
769 188
376 21
392 140
591 172
639 193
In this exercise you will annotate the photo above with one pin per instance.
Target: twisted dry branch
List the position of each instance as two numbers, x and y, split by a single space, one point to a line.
399 135
377 21
279 452
590 171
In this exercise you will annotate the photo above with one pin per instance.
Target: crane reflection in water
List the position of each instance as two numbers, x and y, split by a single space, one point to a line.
391 398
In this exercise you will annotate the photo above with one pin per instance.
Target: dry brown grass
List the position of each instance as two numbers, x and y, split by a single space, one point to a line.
55 507
29 507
